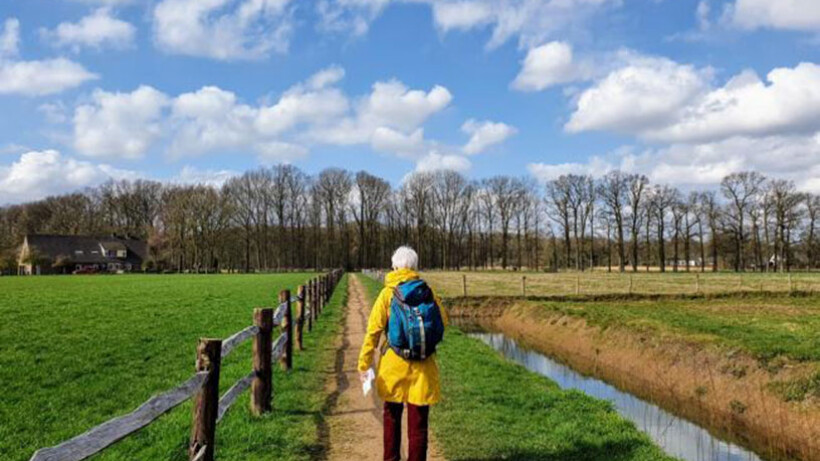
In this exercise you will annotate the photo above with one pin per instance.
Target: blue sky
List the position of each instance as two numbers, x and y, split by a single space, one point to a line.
684 91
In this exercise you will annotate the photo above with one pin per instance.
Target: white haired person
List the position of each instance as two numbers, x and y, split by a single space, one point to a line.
410 316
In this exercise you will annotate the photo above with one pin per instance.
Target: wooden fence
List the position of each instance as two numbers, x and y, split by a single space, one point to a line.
203 386
453 284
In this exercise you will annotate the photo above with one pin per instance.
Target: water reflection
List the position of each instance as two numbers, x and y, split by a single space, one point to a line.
675 435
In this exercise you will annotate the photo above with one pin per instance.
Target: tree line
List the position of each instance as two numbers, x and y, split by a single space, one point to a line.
281 218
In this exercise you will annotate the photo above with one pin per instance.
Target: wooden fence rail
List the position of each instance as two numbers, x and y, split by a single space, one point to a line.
203 386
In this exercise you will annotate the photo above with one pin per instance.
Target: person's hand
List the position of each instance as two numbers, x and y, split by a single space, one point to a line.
363 376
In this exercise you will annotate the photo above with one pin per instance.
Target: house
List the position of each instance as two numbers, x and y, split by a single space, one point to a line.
68 254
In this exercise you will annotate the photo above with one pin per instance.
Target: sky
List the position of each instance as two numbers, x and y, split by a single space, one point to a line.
187 91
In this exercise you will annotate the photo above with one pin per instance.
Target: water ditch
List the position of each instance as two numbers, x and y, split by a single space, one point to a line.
677 436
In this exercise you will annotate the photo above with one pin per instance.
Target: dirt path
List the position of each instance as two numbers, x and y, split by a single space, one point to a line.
354 421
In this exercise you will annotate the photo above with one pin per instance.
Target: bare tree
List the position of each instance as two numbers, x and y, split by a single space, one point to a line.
741 190
637 188
614 191
558 204
662 199
813 213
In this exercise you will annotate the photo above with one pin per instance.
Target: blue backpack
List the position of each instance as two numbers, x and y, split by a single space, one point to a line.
415 326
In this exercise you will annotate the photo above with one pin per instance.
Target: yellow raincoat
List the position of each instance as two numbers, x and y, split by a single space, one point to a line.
399 380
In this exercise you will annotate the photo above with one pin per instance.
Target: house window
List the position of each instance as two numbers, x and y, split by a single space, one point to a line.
122 253
78 252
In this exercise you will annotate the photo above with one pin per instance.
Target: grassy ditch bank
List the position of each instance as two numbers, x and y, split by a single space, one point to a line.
494 409
745 367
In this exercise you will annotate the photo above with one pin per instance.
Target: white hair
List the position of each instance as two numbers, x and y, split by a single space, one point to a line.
405 258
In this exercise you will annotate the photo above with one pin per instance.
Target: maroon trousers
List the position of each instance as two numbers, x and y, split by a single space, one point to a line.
416 431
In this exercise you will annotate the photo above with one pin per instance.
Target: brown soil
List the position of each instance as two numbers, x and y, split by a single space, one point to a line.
725 391
354 422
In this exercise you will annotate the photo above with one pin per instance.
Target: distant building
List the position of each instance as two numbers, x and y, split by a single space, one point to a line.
69 254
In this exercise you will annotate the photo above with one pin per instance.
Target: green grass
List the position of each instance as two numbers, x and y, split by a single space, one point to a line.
493 409
766 326
78 351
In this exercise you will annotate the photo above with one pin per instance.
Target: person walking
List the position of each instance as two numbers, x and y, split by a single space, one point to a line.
409 314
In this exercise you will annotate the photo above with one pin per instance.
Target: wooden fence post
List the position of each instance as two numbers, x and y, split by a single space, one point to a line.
300 316
319 295
315 306
524 285
262 384
310 304
464 285
287 326
206 401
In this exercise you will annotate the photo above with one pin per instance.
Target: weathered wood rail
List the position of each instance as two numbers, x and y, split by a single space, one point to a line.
209 408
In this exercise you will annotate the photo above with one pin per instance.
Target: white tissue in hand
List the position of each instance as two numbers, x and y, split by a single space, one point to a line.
367 384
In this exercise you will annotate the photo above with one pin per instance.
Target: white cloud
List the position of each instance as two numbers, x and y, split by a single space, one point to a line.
10 38
35 78
54 112
485 134
435 161
395 142
38 78
698 165
702 15
223 29
121 125
800 15
596 166
193 175
38 174
788 102
208 120
326 77
391 105
314 103
659 100
532 21
646 93
13 148
549 65
353 16
462 14
97 30
106 2
311 113
279 152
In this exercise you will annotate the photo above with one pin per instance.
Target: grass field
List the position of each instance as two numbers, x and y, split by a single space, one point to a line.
78 351
483 417
497 283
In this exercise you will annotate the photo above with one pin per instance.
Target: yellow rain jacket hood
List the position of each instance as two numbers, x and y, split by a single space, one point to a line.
399 380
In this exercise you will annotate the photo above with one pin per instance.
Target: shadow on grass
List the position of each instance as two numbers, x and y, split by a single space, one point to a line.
578 452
